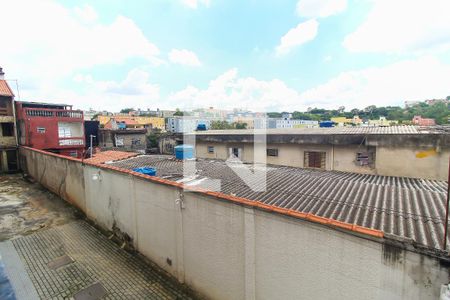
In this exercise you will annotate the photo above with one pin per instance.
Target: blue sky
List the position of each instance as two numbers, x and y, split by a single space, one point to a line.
260 55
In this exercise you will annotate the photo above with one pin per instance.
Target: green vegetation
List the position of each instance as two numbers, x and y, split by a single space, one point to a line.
220 125
178 112
126 110
439 111
153 137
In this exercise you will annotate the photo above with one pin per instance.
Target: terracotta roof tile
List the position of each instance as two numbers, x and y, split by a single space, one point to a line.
106 156
5 90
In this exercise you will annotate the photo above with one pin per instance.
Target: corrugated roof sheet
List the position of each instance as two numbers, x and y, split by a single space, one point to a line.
365 130
406 207
5 90
107 156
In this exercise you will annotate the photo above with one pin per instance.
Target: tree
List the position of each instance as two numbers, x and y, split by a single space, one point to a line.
274 115
126 110
355 111
239 125
220 125
178 112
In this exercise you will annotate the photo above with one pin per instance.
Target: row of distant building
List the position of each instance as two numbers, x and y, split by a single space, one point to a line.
167 121
61 129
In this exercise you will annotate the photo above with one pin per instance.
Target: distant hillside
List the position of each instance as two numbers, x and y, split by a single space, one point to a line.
439 111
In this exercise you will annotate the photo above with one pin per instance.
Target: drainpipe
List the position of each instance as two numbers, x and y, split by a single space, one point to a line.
446 208
16 131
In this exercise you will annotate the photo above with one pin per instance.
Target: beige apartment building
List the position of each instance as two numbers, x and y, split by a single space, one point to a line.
8 140
405 151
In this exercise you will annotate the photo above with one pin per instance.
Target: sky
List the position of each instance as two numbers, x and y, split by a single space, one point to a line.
259 55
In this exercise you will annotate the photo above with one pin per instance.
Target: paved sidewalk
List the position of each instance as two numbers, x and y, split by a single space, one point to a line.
95 260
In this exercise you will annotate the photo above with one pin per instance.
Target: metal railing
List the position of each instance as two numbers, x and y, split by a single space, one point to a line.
53 113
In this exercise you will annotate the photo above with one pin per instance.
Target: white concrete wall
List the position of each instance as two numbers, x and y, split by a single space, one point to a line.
228 251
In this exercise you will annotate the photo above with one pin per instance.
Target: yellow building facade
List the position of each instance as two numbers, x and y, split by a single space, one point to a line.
154 122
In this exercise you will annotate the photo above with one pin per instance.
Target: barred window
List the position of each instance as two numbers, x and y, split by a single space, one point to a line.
314 159
272 152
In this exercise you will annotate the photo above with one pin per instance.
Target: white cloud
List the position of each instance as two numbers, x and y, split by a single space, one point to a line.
184 57
135 84
135 90
320 8
86 13
229 91
55 43
303 33
60 41
403 26
418 79
194 4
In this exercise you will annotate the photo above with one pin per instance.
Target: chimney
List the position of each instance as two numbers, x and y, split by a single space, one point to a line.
2 74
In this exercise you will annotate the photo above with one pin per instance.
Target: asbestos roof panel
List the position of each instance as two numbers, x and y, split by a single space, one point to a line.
357 130
405 207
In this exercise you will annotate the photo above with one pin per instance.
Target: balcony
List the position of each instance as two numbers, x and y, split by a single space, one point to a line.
76 141
54 113
7 141
6 119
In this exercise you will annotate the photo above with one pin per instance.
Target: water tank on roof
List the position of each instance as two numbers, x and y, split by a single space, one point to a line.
184 152
201 127
146 170
326 124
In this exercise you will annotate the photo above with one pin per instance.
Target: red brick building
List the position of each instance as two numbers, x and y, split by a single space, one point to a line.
418 120
52 127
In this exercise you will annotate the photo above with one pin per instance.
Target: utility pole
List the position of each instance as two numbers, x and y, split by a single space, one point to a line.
91 137
446 208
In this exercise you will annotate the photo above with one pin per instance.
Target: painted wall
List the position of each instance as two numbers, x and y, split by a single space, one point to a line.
426 163
63 176
228 251
430 163
340 158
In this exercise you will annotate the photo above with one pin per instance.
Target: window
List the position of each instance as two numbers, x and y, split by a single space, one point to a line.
41 129
8 129
272 152
70 129
365 158
315 159
64 132
210 149
236 152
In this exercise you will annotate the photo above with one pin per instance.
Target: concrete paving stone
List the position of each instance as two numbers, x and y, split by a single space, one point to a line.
95 259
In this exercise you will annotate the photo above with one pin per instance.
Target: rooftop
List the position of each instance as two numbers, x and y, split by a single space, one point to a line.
5 90
109 156
42 104
350 130
411 209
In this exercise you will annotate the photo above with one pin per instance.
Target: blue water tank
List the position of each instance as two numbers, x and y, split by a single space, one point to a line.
184 152
146 170
201 127
326 124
